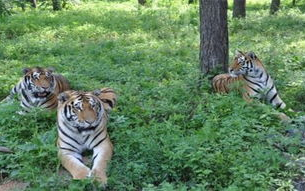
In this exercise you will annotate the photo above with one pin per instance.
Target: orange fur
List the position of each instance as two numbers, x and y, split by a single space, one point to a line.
249 71
96 139
46 89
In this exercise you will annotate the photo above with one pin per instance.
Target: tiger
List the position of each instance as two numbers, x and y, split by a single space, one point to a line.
248 70
39 87
81 125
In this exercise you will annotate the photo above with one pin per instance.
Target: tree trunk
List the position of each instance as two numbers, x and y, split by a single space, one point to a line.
293 2
64 4
22 5
239 9
275 5
142 2
34 3
56 5
213 35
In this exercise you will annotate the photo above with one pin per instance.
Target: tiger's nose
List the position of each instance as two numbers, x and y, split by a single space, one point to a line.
44 87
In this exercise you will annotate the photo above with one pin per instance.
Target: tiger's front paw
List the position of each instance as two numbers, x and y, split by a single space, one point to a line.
21 112
99 175
82 173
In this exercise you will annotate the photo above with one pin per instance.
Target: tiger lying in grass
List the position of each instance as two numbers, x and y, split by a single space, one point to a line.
256 82
39 87
82 119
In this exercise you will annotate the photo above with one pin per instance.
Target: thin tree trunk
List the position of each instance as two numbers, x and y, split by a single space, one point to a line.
34 3
22 5
239 8
293 2
274 7
213 35
56 5
64 4
142 2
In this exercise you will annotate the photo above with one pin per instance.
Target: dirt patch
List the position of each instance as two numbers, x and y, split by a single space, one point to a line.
10 185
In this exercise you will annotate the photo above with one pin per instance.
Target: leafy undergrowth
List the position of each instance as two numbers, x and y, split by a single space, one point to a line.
167 133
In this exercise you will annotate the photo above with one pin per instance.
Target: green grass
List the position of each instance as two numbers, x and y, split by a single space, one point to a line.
167 134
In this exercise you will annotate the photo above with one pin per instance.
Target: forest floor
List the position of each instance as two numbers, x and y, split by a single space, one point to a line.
168 132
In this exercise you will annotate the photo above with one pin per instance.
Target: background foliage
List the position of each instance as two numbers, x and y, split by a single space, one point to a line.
167 133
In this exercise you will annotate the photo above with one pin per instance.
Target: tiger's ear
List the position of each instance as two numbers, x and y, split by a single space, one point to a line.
97 92
251 55
239 53
107 96
51 69
63 97
26 70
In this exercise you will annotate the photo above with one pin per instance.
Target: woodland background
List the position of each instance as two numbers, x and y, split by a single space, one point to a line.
170 130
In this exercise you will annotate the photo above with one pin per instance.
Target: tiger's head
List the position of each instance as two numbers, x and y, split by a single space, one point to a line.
245 64
81 112
39 82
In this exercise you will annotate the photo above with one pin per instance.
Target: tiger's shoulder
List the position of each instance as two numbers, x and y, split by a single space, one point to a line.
62 83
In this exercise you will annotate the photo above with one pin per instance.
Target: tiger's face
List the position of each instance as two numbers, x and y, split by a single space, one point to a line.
40 82
244 64
82 112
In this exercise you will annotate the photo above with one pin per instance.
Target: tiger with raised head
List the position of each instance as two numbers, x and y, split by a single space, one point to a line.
39 87
256 82
82 119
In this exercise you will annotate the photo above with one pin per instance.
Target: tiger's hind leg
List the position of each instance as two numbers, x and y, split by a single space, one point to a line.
26 108
15 90
8 99
101 155
73 163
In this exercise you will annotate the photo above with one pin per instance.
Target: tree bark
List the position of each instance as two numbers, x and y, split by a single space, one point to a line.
56 5
22 5
213 35
34 3
274 7
293 2
142 2
239 9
